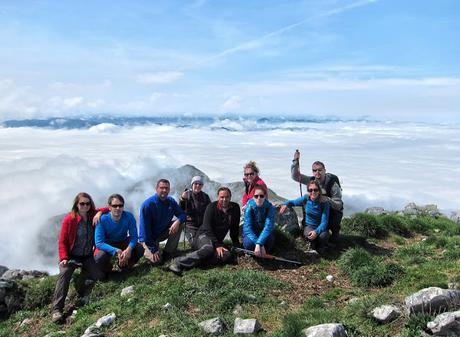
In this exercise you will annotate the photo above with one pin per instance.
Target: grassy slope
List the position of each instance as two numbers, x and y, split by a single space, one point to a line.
380 260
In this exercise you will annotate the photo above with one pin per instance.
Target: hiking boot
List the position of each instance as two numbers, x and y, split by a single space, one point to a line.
174 267
56 316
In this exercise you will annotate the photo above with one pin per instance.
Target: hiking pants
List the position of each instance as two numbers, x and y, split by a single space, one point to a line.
92 272
204 253
104 259
335 217
319 244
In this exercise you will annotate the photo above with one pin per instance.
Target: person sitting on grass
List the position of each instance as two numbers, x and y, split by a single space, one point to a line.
317 212
76 242
220 217
112 238
259 223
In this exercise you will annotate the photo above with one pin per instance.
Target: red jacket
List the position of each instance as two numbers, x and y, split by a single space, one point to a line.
68 233
249 192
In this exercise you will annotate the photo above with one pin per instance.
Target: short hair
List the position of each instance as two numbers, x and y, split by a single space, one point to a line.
74 210
319 163
316 183
224 188
162 180
261 188
116 196
252 165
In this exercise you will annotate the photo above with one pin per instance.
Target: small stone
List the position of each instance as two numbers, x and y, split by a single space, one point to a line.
325 330
91 329
167 306
106 320
246 326
126 291
453 285
252 298
330 278
353 300
283 303
25 322
386 313
213 326
238 309
446 324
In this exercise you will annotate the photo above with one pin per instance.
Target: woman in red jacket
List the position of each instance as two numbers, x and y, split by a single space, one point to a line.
251 179
76 242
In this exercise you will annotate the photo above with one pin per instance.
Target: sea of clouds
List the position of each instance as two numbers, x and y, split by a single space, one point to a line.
379 164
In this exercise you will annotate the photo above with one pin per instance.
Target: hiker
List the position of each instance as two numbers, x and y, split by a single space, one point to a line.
76 241
259 223
330 191
112 238
220 217
317 215
251 179
194 203
156 223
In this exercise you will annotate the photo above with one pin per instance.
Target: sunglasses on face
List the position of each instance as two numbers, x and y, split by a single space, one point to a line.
257 196
317 170
313 190
117 206
84 203
249 174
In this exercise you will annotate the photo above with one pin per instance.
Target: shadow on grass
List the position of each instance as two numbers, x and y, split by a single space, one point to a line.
347 241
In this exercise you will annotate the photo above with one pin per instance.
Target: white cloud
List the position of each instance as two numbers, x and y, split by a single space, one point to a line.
160 77
232 104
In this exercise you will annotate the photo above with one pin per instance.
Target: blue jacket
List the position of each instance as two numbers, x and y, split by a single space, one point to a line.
317 212
109 231
155 217
259 222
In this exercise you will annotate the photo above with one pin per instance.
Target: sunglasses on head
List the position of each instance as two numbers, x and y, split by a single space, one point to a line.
313 190
257 196
84 203
117 206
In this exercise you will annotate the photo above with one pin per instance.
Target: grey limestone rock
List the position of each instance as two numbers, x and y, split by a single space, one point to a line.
3 269
375 211
386 313
446 324
17 274
126 291
246 326
433 299
106 320
326 330
213 326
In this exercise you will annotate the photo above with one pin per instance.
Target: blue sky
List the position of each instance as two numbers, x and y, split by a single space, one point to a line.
385 59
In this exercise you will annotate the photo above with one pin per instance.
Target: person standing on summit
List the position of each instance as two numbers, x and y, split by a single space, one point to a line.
251 179
331 192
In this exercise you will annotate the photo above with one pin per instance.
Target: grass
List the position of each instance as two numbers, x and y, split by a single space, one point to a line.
381 260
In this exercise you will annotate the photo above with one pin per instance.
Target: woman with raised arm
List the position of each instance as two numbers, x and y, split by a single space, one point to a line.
317 209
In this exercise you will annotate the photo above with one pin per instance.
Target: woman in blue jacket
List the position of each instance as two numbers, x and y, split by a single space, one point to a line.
317 212
259 222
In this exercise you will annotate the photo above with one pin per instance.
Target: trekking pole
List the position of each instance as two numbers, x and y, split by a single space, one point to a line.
266 256
304 213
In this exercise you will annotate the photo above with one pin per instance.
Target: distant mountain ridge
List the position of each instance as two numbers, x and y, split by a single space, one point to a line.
221 122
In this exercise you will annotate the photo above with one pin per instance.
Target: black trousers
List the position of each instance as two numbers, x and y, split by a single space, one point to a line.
321 240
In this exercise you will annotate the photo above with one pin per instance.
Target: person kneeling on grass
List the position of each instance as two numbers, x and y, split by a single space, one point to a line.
112 239
317 214
220 217
259 223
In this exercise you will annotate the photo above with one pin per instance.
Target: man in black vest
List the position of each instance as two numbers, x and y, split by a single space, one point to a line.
331 192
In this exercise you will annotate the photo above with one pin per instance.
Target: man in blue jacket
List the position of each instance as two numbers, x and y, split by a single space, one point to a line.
156 223
111 237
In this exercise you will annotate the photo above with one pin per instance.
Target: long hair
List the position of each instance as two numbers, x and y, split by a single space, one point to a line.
74 210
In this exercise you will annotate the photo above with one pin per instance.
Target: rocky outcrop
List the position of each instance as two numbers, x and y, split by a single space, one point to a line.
386 313
17 274
446 324
11 297
413 209
432 300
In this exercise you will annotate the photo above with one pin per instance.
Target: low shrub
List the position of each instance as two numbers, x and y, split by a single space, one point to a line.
395 224
39 294
365 225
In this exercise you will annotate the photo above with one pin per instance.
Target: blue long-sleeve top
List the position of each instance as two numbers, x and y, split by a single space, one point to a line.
155 217
259 222
109 231
317 212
